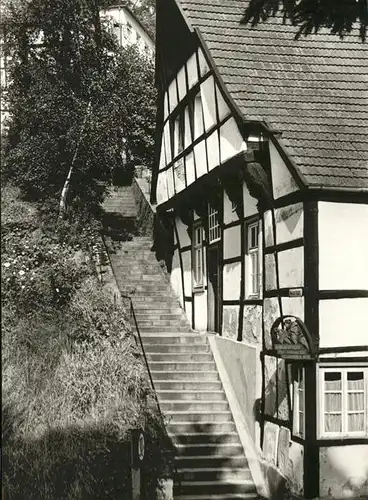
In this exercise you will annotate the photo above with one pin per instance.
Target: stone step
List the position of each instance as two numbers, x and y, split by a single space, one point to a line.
163 322
191 395
207 449
211 461
181 428
193 487
197 357
175 338
185 375
169 366
165 329
198 416
185 405
178 348
188 385
216 474
206 437
220 496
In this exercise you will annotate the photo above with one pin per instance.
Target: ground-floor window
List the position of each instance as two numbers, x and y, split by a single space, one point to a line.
343 396
198 256
296 378
253 278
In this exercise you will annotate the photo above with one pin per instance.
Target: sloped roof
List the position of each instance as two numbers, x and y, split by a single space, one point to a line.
313 90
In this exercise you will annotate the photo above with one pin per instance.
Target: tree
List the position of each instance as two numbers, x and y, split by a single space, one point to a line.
339 16
63 64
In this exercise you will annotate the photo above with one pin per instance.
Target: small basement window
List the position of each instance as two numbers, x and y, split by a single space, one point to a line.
343 402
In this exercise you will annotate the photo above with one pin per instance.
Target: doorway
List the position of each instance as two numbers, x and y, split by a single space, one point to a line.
214 289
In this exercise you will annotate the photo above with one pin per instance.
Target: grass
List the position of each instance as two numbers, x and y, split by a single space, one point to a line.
73 386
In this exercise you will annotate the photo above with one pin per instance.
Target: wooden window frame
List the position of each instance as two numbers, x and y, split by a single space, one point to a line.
343 369
253 250
213 229
198 249
298 395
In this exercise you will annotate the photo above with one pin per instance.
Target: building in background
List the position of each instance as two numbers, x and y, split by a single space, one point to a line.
262 174
128 29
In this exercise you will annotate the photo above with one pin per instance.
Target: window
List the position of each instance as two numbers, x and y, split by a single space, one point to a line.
343 401
213 225
253 259
298 401
198 127
198 256
178 134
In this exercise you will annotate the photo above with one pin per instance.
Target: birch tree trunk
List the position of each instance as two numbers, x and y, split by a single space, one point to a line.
65 190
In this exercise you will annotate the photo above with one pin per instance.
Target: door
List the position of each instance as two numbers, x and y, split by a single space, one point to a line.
214 289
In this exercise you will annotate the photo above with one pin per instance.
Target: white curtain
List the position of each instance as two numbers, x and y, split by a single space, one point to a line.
333 402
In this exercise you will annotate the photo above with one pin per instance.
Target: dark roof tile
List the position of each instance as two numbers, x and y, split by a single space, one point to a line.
314 90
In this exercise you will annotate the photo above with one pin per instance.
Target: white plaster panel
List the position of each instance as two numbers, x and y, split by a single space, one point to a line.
252 325
344 471
182 230
167 142
231 281
188 310
271 312
203 65
175 278
192 70
208 102
189 166
200 311
294 306
232 242
182 86
213 150
173 96
343 246
223 108
170 182
161 191
250 203
200 158
187 133
289 223
187 265
166 106
179 175
270 440
231 140
230 322
230 215
295 468
270 272
268 228
282 180
291 267
162 154
343 322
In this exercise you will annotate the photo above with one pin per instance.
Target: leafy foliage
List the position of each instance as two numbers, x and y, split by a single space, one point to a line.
63 61
311 15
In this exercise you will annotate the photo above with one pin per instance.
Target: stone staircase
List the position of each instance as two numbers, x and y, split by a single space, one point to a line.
209 459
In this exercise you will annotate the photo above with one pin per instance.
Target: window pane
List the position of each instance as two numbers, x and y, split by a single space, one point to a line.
355 380
356 401
301 423
332 402
333 422
356 422
333 381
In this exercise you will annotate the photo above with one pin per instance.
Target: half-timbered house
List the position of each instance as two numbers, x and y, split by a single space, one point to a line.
262 176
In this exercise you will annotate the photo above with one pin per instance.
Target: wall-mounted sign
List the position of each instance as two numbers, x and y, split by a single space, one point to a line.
291 338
